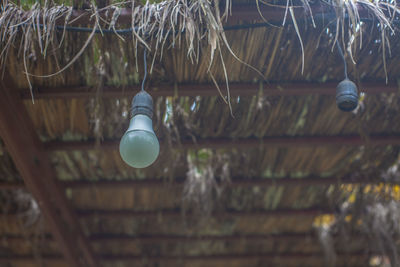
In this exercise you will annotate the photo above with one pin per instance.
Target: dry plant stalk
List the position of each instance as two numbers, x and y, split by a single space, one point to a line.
152 25
348 21
177 21
22 204
371 210
206 179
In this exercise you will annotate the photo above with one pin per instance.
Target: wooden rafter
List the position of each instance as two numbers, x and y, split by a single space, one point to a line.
248 256
281 237
177 213
229 213
236 89
235 182
244 143
361 255
33 164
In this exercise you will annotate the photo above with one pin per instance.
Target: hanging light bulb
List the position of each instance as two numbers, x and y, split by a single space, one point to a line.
346 90
139 146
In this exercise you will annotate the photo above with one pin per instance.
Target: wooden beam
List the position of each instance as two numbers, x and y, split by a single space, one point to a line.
276 256
121 214
247 143
281 237
236 89
180 238
34 166
177 213
106 237
236 182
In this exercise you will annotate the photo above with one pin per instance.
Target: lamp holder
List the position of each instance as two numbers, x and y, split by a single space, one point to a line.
142 103
346 95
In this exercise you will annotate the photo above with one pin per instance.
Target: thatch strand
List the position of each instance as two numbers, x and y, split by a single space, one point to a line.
372 210
195 19
327 244
349 22
191 22
152 25
206 179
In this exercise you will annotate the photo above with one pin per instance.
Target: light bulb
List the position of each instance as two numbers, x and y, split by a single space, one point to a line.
139 146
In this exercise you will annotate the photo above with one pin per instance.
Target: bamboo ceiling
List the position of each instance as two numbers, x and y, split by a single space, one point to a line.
239 220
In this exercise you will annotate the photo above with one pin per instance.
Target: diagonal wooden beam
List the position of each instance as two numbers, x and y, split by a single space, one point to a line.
33 164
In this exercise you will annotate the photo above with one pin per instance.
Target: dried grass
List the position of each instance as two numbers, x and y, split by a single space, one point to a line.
206 179
168 24
348 22
370 210
152 25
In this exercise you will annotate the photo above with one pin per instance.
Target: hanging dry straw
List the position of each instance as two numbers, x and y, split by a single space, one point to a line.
348 21
370 210
167 24
151 26
207 177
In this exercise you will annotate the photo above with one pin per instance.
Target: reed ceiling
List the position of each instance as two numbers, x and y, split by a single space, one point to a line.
118 220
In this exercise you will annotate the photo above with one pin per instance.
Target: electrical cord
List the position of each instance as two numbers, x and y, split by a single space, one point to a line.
89 30
344 60
130 30
127 31
145 68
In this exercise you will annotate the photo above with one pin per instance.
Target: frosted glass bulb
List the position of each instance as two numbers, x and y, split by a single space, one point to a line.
139 146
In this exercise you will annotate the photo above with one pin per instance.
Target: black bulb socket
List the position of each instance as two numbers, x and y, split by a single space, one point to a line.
346 95
142 103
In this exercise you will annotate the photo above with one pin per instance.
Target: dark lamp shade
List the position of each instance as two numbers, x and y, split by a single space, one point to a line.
346 95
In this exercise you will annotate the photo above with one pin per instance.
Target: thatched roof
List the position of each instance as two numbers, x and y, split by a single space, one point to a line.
239 184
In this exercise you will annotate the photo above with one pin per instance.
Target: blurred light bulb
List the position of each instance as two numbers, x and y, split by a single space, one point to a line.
139 146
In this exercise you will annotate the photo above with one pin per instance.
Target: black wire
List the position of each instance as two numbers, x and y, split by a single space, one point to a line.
145 68
89 30
226 28
130 30
344 60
